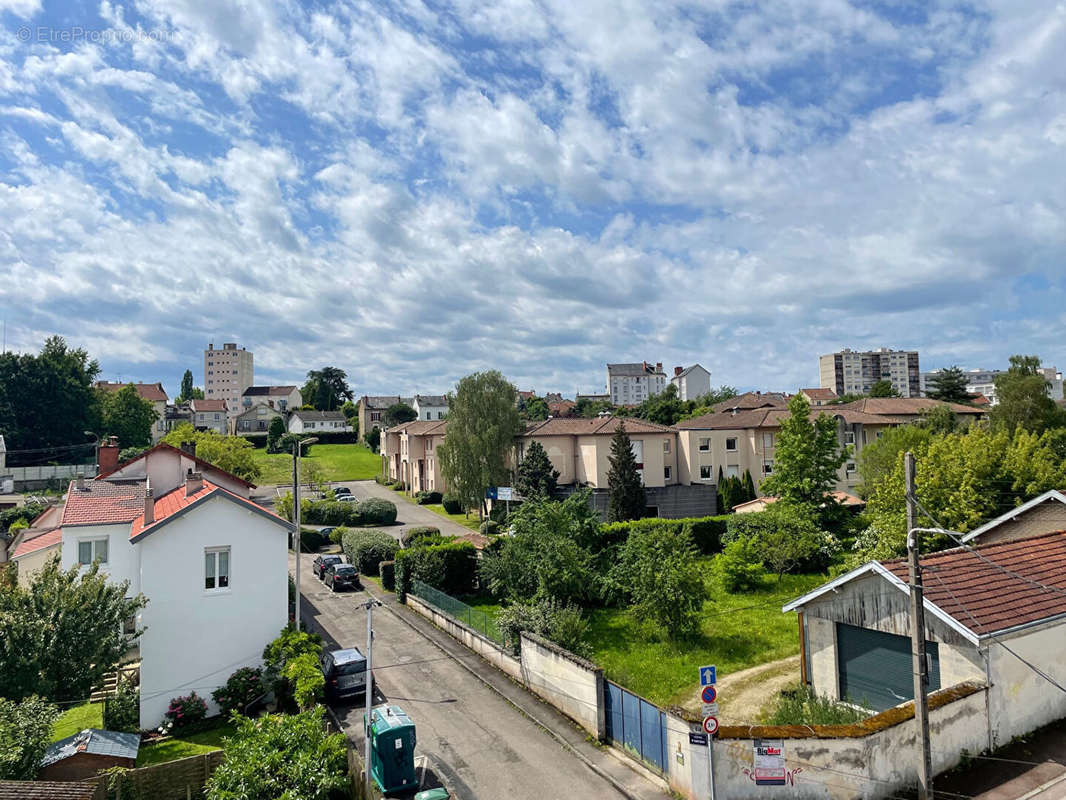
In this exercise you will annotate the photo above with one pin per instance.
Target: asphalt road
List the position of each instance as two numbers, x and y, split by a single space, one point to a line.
469 738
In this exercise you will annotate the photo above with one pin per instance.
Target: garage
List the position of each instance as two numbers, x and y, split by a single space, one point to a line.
875 668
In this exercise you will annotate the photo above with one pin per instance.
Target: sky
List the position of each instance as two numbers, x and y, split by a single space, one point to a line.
416 191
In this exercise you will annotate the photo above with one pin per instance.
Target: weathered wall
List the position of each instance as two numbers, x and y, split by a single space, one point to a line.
32 563
678 502
1020 699
569 682
1047 517
486 648
81 766
172 780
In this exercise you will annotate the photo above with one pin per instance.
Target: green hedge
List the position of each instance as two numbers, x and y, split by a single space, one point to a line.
451 504
412 535
490 527
428 498
311 541
388 575
374 511
450 567
706 532
367 549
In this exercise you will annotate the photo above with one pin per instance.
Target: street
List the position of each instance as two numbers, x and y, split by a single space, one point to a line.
472 739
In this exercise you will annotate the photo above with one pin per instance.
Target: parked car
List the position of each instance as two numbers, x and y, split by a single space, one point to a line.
345 673
341 576
347 498
325 532
339 490
321 563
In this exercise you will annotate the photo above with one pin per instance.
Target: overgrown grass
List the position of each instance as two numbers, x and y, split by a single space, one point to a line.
339 462
739 631
78 718
798 705
184 746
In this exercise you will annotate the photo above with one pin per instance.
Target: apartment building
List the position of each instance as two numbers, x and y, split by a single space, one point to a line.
227 374
280 398
430 406
209 415
983 382
632 384
853 372
371 411
691 382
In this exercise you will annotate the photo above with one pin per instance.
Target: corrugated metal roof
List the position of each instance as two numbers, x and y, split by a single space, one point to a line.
96 742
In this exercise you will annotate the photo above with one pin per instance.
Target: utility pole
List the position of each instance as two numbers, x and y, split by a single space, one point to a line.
296 445
369 606
921 664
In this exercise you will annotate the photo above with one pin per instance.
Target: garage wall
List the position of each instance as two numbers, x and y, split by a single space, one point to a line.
1021 700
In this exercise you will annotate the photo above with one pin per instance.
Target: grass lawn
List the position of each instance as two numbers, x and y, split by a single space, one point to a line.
184 746
734 637
78 718
339 462
470 522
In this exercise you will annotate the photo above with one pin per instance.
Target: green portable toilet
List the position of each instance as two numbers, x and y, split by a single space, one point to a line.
392 748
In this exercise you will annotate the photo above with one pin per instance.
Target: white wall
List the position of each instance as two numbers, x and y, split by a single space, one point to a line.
123 562
167 469
194 639
1020 699
570 683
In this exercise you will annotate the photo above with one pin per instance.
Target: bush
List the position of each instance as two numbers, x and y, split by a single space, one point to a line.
276 655
706 532
337 534
26 732
305 676
498 512
399 487
388 575
311 541
412 535
376 511
28 513
490 527
451 504
243 689
367 549
428 498
183 712
123 711
382 480
450 567
559 623
801 706
787 535
740 566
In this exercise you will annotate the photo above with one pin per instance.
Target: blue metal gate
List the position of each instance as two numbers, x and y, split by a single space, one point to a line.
636 724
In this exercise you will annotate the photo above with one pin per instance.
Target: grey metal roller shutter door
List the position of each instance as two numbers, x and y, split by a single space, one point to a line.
876 668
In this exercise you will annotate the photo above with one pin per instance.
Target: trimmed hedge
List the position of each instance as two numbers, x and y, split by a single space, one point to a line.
388 575
381 480
367 549
451 504
311 541
428 498
411 536
450 567
374 511
706 532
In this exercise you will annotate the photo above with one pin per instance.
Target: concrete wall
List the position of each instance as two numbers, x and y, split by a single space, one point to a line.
569 682
1020 699
27 478
123 560
32 563
166 469
486 648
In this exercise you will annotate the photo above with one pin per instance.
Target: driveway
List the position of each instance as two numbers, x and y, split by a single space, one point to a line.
408 514
471 737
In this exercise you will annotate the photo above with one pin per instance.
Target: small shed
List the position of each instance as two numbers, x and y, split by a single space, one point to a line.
86 753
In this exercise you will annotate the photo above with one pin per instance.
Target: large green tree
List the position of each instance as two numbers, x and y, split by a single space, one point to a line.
327 389
398 414
883 388
483 421
536 475
25 733
275 433
807 455
127 416
48 400
61 634
1022 399
188 391
950 385
664 408
234 454
534 409
626 498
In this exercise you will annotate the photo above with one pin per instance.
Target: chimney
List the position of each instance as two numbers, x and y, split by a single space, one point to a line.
149 503
194 482
189 448
678 371
658 366
108 459
79 482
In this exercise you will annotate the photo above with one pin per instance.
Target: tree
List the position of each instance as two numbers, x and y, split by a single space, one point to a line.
25 733
940 419
127 416
483 422
626 490
883 388
398 414
704 404
60 635
787 536
327 388
749 486
1022 398
949 385
350 411
275 433
807 456
536 475
234 454
664 408
287 756
188 391
534 409
373 438
879 458
588 408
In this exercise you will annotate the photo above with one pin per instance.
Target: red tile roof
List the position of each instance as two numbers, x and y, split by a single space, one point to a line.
38 542
47 790
177 500
905 406
820 394
152 392
103 503
205 466
753 400
592 426
198 405
986 598
772 417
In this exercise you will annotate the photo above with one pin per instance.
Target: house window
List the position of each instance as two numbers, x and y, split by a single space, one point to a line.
767 468
666 446
129 626
217 417
375 416
666 473
849 437
767 441
732 471
850 466
91 550
440 415
731 444
216 568
705 472
705 445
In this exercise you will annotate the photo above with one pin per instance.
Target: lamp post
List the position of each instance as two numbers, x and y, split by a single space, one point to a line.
96 443
299 443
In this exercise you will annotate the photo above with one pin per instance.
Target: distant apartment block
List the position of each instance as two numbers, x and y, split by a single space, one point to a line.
227 373
853 372
632 384
691 382
983 382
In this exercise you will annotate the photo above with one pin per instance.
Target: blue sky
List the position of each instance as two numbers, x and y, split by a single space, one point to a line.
418 190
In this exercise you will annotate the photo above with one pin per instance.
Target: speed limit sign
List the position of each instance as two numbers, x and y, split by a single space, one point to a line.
710 725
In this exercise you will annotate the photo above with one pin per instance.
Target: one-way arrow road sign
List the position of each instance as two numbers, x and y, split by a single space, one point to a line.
708 676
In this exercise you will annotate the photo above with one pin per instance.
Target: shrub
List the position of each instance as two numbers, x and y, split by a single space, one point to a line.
562 624
337 534
288 646
428 498
367 549
706 532
122 712
399 487
740 566
490 527
18 525
28 512
26 732
498 512
388 575
799 705
788 536
450 567
311 541
382 480
243 688
183 712
451 504
412 535
376 511
305 676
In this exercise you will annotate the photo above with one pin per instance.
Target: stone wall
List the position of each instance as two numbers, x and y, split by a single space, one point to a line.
569 682
473 640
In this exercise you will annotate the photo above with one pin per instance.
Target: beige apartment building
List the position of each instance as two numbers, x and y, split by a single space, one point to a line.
227 374
852 372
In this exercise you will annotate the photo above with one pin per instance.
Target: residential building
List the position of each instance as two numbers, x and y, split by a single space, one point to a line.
995 620
33 547
1045 513
819 397
227 374
212 564
848 501
559 406
209 415
318 422
254 421
154 394
409 454
280 398
853 372
430 406
632 384
983 382
691 382
372 410
83 755
750 400
909 409
593 398
176 416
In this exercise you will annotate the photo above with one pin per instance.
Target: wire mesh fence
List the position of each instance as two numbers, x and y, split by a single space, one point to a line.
483 623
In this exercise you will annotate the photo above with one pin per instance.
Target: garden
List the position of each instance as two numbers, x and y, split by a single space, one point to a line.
322 462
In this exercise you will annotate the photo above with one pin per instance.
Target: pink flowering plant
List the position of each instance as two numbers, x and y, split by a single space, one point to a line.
243 689
184 711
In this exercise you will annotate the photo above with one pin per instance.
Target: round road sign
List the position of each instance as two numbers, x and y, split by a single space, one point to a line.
709 694
710 724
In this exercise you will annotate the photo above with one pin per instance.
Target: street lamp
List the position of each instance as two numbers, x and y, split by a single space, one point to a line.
296 445
96 443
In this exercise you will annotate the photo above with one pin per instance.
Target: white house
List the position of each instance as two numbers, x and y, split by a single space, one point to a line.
691 382
318 422
632 384
212 564
209 415
430 406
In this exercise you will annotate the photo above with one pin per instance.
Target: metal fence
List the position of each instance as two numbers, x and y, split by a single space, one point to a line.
478 620
637 725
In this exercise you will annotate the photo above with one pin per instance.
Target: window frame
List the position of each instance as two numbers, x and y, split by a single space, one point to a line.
709 470
704 448
217 577
94 550
734 440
